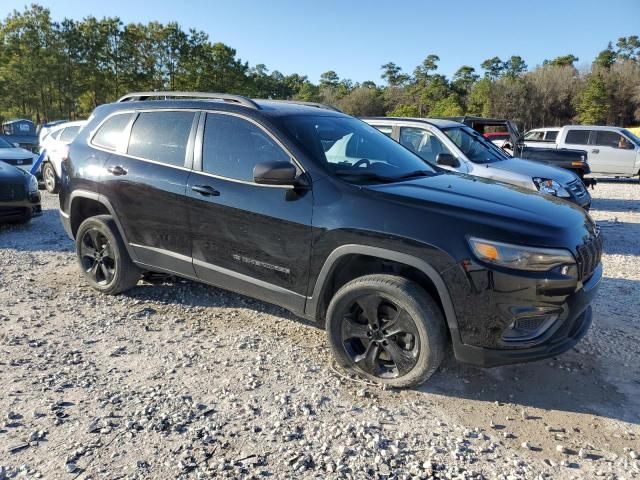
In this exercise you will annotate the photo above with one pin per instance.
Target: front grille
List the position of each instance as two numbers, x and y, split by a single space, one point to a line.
530 324
11 192
577 188
18 162
589 256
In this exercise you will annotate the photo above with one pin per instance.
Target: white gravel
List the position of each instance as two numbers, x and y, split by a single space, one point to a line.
181 380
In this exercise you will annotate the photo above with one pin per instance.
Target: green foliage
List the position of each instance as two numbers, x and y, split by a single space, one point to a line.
404 111
447 107
51 70
592 101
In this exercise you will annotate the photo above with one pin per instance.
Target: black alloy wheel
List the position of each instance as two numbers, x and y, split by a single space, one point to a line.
96 257
380 337
386 328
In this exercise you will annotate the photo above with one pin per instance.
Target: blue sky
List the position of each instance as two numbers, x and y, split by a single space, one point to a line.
355 38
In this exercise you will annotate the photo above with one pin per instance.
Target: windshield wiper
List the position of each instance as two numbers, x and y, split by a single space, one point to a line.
416 173
364 175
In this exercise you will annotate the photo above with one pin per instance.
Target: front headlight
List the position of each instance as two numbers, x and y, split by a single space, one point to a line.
33 184
550 187
521 257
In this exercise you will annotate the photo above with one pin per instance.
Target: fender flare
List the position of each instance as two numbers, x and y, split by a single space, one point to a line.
105 202
392 255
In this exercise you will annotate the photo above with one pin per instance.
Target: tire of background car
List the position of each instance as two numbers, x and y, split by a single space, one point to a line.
103 257
387 329
50 178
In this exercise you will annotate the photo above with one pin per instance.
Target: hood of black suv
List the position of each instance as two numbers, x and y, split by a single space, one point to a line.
484 207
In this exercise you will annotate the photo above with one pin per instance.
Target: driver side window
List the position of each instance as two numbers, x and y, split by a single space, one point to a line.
423 143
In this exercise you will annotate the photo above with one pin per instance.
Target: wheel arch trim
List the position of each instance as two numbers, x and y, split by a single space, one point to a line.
328 268
86 194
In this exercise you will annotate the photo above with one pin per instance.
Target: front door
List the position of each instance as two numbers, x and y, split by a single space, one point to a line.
250 238
612 153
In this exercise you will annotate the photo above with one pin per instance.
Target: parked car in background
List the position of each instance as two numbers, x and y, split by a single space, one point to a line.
56 146
44 129
570 159
14 155
19 195
322 214
21 133
537 135
457 147
499 139
613 151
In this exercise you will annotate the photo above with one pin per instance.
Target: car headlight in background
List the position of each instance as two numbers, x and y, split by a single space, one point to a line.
521 257
550 187
33 184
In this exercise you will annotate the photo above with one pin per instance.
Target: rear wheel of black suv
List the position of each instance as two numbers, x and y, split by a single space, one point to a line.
387 329
103 257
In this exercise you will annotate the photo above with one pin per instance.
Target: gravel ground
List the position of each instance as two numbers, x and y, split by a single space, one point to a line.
181 380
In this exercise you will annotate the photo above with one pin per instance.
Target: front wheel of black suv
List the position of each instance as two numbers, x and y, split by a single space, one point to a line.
387 329
103 258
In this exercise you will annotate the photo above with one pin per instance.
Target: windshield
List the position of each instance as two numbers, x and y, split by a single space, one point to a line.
475 147
5 144
354 150
633 137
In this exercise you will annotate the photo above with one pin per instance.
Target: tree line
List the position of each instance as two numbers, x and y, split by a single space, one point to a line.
51 70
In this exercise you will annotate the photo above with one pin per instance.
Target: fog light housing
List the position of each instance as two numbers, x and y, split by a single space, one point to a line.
528 327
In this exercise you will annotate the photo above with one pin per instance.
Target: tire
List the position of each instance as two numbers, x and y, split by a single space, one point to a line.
50 179
103 257
408 326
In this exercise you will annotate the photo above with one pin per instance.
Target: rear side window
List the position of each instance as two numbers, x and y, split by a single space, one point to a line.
110 133
69 134
161 136
233 146
386 129
551 135
578 137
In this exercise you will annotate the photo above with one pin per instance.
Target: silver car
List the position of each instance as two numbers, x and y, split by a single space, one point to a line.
457 147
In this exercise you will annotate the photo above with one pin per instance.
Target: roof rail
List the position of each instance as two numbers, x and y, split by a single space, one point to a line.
237 99
308 104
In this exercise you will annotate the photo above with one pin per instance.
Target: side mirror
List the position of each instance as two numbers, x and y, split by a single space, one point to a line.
447 160
274 173
16 144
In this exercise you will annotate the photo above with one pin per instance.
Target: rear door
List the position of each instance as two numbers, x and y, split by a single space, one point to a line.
612 153
145 180
250 238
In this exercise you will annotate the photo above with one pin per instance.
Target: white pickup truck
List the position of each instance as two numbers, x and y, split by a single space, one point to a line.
612 151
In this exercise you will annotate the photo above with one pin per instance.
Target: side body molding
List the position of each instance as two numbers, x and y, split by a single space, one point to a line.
410 260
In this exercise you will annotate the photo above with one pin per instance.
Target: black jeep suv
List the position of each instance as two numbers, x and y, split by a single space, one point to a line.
318 212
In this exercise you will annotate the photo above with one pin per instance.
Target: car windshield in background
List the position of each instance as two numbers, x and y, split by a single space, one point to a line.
5 144
475 147
353 150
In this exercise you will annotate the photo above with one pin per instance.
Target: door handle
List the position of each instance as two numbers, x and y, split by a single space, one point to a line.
595 150
117 170
205 190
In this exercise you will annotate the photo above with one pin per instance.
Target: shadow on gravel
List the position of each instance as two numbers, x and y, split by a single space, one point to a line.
539 384
616 205
621 238
42 234
175 291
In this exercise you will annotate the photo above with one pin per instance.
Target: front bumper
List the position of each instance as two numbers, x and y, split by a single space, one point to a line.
486 346
18 210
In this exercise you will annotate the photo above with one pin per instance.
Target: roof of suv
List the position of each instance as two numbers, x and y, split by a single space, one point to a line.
221 101
438 122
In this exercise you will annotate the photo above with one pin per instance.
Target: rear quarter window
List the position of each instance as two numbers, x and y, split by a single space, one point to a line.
578 137
109 135
161 136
